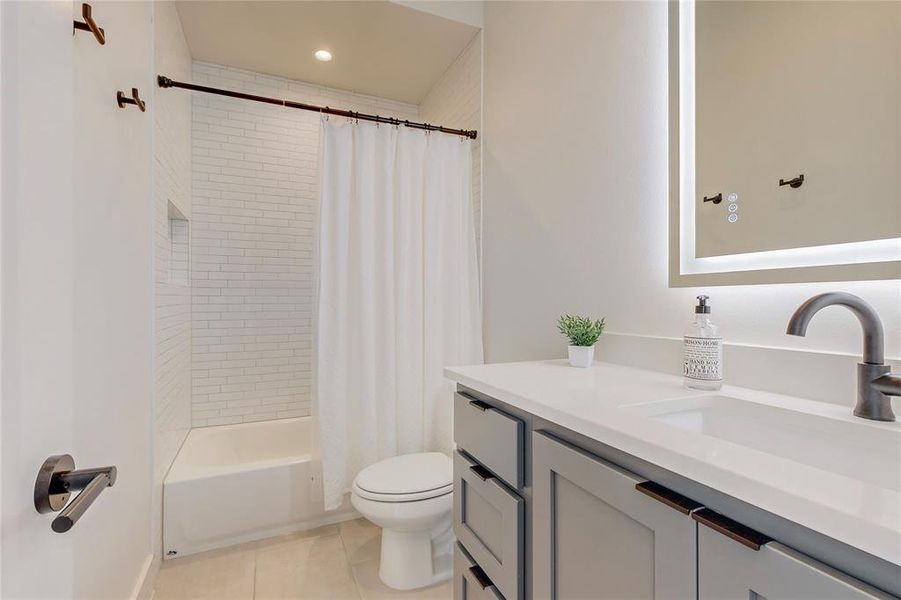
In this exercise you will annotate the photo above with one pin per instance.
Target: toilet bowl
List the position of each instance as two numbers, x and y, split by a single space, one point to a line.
411 498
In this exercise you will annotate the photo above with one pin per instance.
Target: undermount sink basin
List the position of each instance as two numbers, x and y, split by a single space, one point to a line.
859 450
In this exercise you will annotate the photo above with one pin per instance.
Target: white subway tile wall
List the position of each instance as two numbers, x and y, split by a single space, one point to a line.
253 238
456 100
172 285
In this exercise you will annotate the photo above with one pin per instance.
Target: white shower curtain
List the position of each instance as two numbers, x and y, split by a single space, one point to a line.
398 293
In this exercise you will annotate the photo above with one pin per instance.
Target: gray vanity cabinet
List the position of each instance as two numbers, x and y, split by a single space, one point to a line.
729 570
595 535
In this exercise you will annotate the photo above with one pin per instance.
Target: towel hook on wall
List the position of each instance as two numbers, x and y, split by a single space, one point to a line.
122 99
89 24
795 183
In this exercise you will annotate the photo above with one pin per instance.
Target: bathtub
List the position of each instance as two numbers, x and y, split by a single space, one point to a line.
238 483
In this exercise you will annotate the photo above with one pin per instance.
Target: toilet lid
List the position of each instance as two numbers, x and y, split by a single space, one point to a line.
407 477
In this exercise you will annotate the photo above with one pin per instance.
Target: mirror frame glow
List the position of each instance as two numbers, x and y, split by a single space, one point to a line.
871 260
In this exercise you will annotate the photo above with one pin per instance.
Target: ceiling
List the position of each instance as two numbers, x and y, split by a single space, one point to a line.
379 47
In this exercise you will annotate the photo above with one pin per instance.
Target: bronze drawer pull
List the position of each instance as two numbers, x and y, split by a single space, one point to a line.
482 406
731 529
481 472
669 497
480 577
89 24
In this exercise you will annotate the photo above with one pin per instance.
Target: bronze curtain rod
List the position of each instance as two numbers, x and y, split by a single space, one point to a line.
165 82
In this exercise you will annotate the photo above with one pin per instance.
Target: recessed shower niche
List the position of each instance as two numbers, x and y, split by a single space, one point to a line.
179 266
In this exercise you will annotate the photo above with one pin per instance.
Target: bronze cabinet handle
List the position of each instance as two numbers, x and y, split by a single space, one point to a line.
731 529
122 99
90 24
480 577
481 472
668 497
482 406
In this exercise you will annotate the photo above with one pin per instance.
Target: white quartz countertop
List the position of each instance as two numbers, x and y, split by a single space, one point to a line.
590 402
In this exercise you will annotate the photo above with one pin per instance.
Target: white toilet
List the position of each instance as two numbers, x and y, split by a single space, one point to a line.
411 498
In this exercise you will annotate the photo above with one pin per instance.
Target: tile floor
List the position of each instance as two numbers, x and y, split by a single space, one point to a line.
335 562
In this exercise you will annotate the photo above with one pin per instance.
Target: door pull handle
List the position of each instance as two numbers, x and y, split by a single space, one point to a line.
56 482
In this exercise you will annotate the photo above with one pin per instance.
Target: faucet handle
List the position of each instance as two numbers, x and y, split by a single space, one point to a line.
875 385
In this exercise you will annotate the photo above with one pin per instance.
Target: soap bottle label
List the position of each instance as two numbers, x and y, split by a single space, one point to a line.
703 358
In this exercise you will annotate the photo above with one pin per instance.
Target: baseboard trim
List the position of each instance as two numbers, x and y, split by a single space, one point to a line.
143 589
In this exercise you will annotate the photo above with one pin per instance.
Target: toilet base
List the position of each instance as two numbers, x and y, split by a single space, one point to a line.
416 559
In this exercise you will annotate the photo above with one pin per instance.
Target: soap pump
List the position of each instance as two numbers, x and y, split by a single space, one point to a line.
702 348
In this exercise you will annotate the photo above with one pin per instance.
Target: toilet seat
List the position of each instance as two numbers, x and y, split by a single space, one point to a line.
406 478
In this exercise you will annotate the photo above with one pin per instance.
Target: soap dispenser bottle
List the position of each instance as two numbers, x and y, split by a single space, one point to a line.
703 351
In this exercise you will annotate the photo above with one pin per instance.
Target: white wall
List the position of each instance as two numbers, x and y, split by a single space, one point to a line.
172 290
575 197
113 297
456 101
255 199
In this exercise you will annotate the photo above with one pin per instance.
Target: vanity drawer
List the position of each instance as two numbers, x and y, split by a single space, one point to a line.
489 522
470 581
491 436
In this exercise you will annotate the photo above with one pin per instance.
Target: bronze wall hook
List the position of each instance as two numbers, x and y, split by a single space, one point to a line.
89 24
122 99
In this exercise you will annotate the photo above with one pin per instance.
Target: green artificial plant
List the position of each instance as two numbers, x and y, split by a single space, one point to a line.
581 331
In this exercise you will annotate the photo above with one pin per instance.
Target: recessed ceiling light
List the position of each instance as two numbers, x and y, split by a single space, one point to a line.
323 55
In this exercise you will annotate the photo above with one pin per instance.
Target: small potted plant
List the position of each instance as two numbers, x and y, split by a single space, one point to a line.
583 333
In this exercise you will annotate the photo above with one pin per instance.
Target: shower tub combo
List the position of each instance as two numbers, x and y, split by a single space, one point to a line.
238 483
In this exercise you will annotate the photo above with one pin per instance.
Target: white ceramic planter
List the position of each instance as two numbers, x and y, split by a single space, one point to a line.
581 356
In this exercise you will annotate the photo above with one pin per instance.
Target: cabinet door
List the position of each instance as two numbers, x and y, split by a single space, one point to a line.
597 536
728 570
